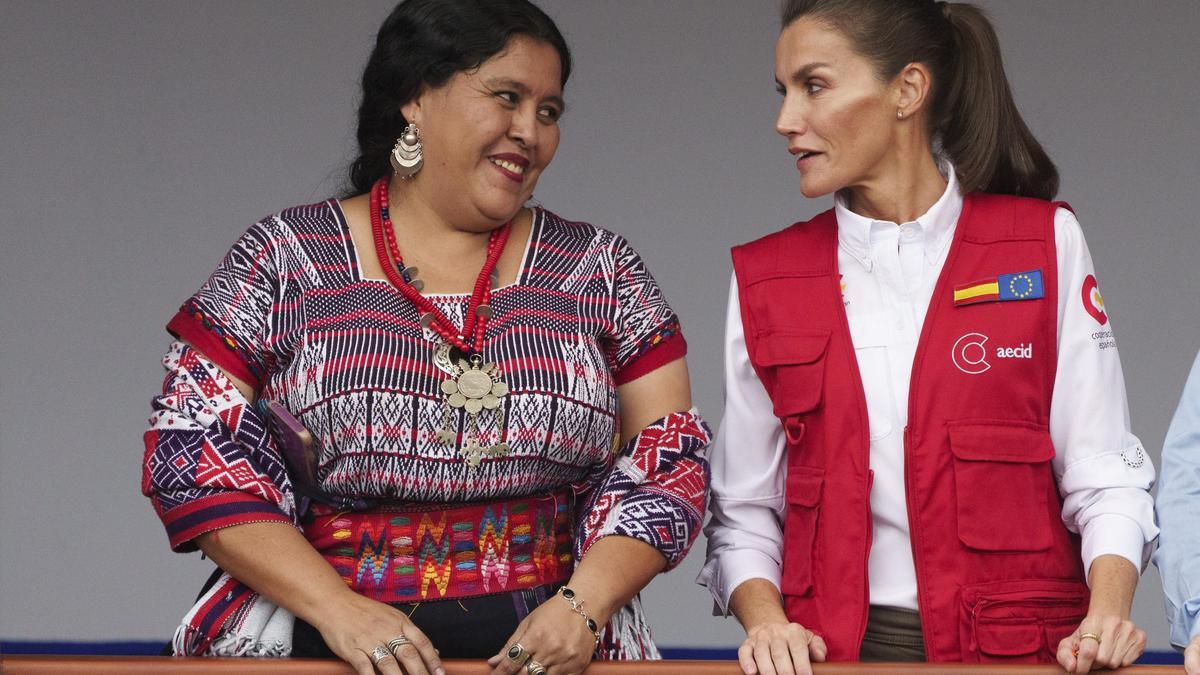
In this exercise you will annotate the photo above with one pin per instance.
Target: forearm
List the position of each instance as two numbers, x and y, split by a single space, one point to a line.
277 561
756 602
612 571
1113 580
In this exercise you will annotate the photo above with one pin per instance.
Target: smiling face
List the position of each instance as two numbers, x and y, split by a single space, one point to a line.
838 117
488 134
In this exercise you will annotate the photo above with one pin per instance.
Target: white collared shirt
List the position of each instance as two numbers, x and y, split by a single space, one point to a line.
888 275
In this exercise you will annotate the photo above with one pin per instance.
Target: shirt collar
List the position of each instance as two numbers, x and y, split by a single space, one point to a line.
937 224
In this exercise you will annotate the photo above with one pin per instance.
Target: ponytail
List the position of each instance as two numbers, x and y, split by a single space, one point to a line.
972 113
981 129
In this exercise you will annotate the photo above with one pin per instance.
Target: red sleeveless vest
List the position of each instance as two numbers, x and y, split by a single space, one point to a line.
999 577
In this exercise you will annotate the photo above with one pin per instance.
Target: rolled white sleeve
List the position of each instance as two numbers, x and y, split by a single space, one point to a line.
1104 474
748 472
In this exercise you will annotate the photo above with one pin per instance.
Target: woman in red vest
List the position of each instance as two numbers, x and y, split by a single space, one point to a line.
926 451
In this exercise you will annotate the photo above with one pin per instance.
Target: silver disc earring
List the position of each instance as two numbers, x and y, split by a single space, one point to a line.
406 155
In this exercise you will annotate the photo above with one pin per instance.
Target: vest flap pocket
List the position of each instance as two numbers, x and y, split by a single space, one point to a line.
803 495
1003 638
1003 485
794 369
798 346
1019 620
1000 442
804 486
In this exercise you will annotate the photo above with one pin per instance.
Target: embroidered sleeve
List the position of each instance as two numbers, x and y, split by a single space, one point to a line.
228 318
654 491
648 334
210 461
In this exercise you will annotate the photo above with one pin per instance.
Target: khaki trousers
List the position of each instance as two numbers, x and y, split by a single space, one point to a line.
893 635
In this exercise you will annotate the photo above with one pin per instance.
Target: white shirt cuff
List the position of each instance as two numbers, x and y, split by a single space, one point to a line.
1113 534
724 573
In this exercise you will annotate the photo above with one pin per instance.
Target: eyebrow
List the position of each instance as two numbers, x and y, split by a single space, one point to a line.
803 73
521 88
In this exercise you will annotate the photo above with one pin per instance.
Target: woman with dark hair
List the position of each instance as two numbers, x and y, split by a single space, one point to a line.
495 398
926 451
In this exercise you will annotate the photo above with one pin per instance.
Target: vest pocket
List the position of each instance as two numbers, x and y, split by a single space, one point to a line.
795 361
1019 621
803 495
1002 483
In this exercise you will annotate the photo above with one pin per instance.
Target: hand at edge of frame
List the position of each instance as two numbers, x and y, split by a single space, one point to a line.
1191 657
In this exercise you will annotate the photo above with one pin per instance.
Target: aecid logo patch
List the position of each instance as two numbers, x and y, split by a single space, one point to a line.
970 353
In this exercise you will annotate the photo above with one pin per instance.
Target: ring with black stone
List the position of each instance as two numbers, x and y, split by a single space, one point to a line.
516 653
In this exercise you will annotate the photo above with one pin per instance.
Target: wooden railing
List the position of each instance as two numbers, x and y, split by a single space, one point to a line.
135 665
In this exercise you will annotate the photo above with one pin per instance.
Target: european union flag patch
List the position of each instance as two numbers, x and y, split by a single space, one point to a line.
1004 288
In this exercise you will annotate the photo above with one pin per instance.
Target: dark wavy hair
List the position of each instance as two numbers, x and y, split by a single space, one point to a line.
425 43
973 112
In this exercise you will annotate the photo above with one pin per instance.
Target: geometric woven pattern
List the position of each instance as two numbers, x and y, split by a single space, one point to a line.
209 460
656 491
288 312
400 555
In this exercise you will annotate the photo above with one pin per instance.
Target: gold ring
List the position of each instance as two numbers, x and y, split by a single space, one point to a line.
1092 636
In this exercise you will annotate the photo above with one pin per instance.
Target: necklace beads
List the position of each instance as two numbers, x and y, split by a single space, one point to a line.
474 385
470 339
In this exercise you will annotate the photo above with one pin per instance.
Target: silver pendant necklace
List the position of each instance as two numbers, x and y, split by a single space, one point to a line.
474 385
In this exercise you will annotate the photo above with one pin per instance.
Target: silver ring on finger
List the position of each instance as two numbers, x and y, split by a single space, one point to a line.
398 642
516 653
380 653
535 668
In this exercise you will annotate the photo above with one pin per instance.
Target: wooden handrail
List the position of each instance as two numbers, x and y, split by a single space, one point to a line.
139 665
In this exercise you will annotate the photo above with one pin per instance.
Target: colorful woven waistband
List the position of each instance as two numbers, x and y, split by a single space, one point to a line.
439 552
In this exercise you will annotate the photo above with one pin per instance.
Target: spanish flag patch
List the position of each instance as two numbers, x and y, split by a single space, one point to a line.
1004 288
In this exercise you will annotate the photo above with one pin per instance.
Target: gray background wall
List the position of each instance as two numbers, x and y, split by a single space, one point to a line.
139 138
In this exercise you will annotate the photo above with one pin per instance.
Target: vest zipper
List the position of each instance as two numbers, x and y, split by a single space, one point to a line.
912 523
867 556
840 310
932 652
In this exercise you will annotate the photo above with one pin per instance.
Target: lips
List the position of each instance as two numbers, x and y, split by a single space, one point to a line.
511 165
805 156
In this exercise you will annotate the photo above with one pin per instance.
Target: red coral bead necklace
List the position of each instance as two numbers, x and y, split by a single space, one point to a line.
474 385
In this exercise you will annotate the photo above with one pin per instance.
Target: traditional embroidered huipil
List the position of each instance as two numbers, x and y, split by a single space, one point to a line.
998 575
289 312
